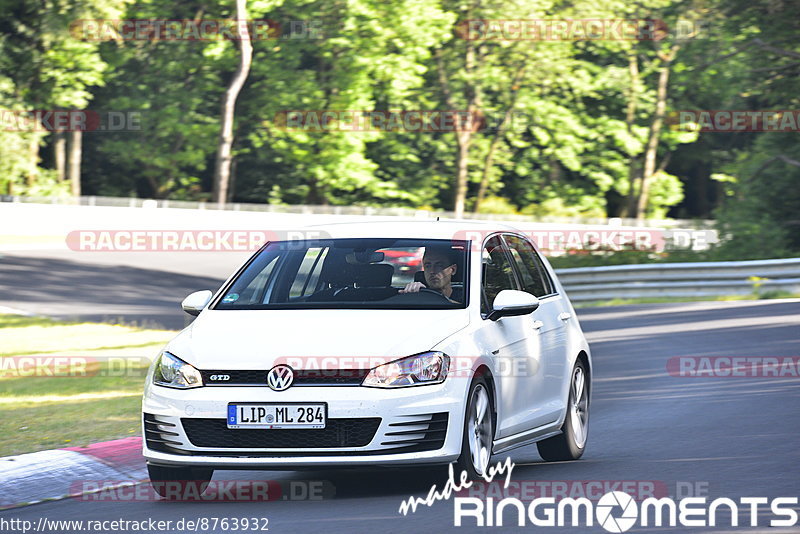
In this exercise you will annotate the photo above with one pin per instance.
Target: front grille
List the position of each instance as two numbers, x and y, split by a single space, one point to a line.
356 432
302 377
329 377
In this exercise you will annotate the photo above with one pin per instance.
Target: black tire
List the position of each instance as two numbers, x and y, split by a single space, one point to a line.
570 445
465 461
179 483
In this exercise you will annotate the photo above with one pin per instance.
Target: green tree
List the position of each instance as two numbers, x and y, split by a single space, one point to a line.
352 62
50 69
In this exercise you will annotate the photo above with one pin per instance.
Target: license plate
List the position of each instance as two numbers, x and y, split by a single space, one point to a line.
302 415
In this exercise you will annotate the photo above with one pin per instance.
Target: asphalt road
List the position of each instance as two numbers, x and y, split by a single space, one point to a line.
716 437
111 286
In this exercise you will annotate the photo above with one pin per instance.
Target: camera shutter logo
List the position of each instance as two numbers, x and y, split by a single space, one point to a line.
612 500
280 377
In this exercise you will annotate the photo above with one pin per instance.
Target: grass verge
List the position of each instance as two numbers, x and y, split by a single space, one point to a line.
663 300
70 384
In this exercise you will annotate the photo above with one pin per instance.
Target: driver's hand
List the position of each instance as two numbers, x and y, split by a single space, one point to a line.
413 287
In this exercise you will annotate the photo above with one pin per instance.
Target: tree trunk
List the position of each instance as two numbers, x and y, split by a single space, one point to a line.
630 120
222 167
555 174
60 154
464 130
315 195
487 164
464 139
232 187
655 132
33 159
74 161
487 167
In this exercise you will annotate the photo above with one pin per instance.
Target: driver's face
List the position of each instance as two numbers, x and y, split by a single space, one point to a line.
438 270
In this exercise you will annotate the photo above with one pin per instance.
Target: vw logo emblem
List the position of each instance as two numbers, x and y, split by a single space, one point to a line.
280 377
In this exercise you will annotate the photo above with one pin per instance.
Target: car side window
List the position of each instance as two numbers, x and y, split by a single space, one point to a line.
534 276
497 272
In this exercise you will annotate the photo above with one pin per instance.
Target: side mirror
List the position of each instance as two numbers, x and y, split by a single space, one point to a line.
510 302
194 303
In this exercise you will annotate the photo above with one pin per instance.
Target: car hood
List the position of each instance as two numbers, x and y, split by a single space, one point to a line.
259 339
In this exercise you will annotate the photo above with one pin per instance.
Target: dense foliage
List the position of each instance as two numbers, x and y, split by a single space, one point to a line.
568 127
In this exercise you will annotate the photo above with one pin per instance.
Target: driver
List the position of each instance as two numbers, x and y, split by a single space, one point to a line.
439 268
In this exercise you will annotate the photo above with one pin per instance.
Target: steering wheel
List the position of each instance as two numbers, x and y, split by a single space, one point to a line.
422 295
437 293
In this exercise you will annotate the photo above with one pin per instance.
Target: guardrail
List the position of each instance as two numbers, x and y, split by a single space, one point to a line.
133 202
707 279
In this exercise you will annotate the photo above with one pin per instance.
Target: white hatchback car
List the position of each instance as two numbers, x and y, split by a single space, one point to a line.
320 352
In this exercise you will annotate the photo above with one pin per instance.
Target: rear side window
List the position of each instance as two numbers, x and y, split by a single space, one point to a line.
497 272
532 272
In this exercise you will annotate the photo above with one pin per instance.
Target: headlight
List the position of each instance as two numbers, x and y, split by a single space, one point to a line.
417 370
173 372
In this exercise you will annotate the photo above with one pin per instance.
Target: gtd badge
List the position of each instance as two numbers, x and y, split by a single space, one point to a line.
220 378
280 377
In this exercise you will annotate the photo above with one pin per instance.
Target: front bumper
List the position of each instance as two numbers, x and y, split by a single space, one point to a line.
366 426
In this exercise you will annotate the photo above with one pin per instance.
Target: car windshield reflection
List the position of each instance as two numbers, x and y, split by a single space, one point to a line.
352 273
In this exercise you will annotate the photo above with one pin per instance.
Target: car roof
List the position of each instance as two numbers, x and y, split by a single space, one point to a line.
413 229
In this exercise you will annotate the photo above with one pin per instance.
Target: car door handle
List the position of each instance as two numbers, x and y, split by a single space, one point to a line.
537 325
565 316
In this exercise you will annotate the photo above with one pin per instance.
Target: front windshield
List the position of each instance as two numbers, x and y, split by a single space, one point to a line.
352 273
